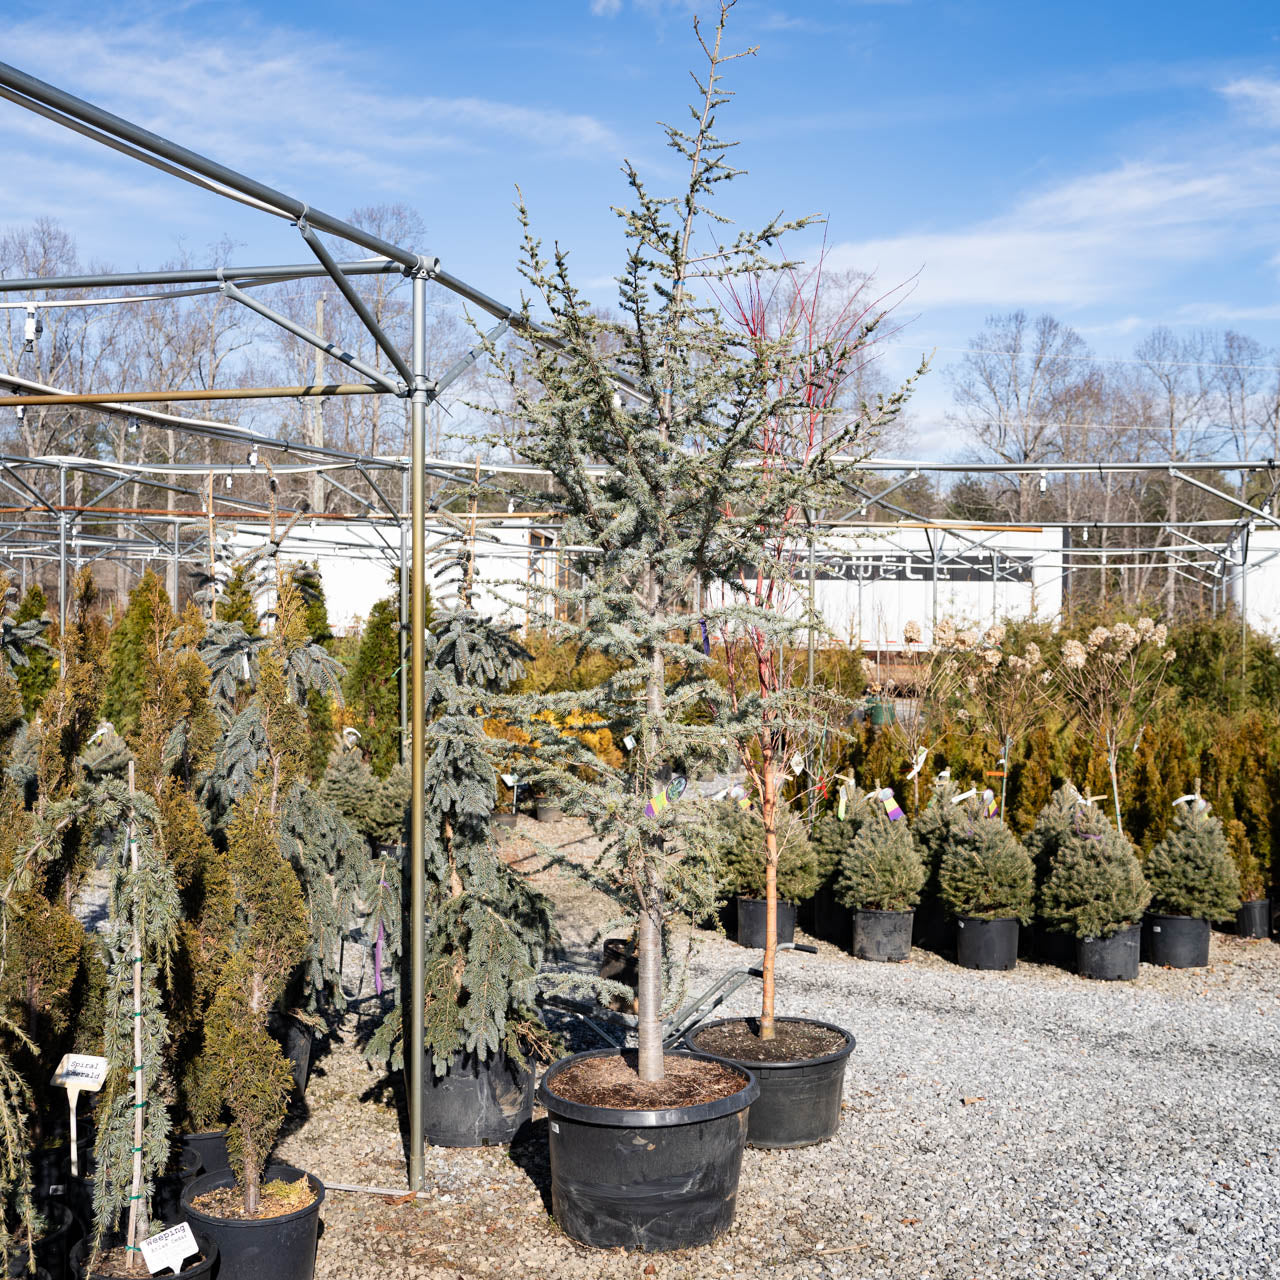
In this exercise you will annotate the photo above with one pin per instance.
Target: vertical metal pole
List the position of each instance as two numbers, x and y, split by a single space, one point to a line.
317 410
62 551
414 1005
1244 615
177 551
813 598
935 545
404 614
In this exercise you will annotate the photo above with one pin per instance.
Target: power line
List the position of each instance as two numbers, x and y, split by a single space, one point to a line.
1092 359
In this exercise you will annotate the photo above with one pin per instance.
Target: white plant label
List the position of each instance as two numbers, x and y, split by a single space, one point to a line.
509 779
629 742
78 1071
797 764
169 1249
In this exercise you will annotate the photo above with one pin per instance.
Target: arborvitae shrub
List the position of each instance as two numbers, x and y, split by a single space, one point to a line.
126 656
37 676
1191 872
880 869
740 860
1095 885
986 873
372 686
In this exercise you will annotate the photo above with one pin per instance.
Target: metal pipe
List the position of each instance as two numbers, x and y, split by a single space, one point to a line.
79 109
198 275
196 393
357 303
301 331
413 997
62 559
404 614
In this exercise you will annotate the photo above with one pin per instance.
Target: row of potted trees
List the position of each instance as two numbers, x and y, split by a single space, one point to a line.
1076 875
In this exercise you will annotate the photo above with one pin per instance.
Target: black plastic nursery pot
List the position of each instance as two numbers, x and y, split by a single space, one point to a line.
1180 942
549 812
832 922
504 819
1113 959
882 935
1253 919
652 1180
53 1248
168 1195
751 922
476 1104
986 944
282 1248
799 1102
211 1147
205 1264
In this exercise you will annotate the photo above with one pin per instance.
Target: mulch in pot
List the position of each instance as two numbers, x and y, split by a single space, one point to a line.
794 1042
274 1200
612 1081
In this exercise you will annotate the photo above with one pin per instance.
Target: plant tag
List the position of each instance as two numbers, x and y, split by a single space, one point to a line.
797 764
79 1071
509 779
841 805
891 806
921 756
629 742
991 806
169 1248
964 795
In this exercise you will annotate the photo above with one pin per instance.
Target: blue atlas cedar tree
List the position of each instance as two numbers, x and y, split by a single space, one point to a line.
677 402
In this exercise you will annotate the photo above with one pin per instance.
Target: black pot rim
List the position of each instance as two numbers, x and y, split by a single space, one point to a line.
746 897
988 920
1175 915
226 1177
646 1118
204 1133
1118 933
835 1056
877 911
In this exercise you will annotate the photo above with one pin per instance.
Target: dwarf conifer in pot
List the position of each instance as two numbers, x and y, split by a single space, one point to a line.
1191 872
1095 886
985 872
880 868
740 854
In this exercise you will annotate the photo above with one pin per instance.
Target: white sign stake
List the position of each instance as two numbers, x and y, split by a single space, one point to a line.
78 1071
169 1249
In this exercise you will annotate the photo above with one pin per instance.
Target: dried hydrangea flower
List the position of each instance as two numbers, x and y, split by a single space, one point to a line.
1073 654
911 632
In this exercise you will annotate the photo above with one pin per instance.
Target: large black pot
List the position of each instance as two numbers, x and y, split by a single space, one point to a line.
549 812
64 1232
882 935
751 922
211 1147
476 1104
1053 946
1253 919
168 1201
1181 942
195 1268
986 944
799 1102
503 818
832 922
1113 959
299 1039
640 1179
282 1248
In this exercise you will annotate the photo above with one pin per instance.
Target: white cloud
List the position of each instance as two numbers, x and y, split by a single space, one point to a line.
1261 98
1094 239
606 8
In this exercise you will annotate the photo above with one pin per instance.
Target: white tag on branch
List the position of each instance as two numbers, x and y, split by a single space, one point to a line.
964 795
169 1248
629 742
79 1071
921 756
509 779
797 764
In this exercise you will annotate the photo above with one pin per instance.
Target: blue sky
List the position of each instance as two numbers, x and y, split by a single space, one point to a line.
1117 164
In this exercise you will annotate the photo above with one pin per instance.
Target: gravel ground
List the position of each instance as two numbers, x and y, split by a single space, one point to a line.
1017 1124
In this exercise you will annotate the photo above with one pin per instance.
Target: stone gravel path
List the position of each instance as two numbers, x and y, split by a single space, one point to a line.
1005 1125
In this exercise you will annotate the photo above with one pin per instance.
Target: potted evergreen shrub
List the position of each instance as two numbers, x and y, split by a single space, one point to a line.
1193 881
1253 916
1095 891
985 880
741 869
880 878
1052 826
488 929
830 919
935 829
264 1218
